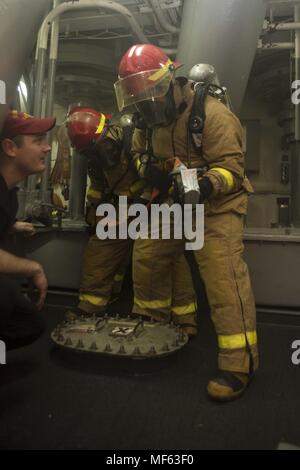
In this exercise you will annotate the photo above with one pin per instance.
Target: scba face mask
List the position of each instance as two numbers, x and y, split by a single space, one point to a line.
159 112
109 152
104 154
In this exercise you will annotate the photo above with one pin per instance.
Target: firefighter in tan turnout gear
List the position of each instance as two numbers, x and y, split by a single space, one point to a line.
111 175
146 80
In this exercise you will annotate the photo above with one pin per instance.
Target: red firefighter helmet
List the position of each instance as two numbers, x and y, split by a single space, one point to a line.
145 73
85 126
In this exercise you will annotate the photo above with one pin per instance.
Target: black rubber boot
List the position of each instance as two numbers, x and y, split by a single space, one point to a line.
228 386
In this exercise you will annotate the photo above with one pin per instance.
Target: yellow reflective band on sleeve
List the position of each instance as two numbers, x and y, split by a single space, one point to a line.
227 175
152 304
161 72
185 309
93 299
118 277
94 193
237 341
122 193
101 125
137 163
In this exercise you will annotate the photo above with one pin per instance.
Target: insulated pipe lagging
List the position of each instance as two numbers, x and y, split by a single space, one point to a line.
50 96
295 174
89 4
44 33
223 33
160 17
271 27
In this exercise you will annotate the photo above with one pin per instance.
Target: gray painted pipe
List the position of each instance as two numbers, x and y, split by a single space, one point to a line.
276 46
160 16
14 52
37 106
88 4
274 3
283 26
53 15
77 186
225 34
49 112
295 181
43 42
50 97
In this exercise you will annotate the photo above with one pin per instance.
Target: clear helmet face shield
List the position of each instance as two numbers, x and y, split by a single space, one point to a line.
143 86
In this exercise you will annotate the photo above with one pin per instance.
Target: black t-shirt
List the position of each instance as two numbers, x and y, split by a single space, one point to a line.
8 207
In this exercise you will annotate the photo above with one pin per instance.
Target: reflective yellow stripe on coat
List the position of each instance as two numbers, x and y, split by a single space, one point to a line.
93 299
237 341
227 175
94 193
152 304
185 309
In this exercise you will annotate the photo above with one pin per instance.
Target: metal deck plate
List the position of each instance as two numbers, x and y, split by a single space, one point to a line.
116 336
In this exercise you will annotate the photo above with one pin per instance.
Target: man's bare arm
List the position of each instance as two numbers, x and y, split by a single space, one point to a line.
11 264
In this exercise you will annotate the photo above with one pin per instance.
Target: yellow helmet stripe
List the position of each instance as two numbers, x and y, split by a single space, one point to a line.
101 125
161 72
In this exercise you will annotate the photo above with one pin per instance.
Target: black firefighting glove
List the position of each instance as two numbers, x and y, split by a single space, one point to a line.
158 178
196 196
206 189
90 214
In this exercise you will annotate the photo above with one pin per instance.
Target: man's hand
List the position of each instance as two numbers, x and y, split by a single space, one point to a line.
40 282
11 264
206 188
24 227
90 215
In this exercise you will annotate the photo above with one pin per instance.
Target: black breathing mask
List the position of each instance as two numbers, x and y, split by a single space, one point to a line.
158 112
104 154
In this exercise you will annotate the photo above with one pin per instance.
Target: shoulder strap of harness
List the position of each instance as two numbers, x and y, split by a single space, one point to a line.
197 116
127 139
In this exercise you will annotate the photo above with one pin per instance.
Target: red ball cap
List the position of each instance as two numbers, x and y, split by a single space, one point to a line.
18 123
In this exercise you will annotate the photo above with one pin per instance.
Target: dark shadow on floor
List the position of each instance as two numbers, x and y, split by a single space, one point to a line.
52 401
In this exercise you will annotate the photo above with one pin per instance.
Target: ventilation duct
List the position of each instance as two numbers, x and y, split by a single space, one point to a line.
223 33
